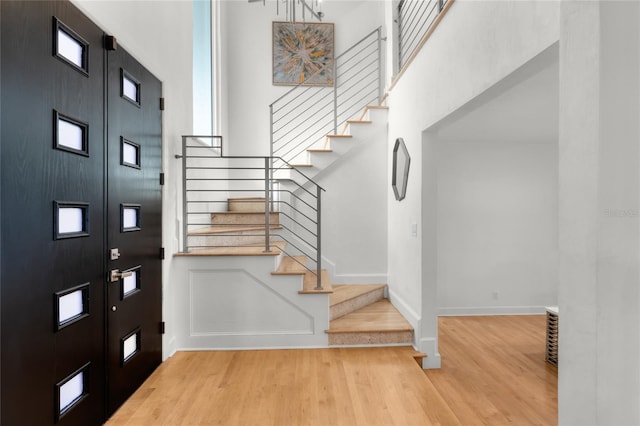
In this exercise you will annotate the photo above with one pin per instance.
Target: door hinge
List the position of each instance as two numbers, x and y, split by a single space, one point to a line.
110 43
162 327
161 179
161 253
161 104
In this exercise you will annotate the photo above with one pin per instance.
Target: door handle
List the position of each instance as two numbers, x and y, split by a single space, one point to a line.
116 275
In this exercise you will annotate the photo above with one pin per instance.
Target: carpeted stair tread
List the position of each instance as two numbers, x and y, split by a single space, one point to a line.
246 204
254 250
377 317
346 292
232 228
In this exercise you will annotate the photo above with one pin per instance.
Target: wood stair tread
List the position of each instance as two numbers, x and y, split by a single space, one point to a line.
246 198
236 212
302 165
319 150
377 317
359 121
345 292
418 356
339 136
377 107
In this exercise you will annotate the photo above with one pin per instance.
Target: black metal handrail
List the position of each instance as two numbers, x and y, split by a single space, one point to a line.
209 178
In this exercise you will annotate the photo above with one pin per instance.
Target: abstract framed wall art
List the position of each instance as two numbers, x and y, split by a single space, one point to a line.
303 53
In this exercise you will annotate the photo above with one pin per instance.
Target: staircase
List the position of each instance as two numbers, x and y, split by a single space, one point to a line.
359 314
356 314
256 254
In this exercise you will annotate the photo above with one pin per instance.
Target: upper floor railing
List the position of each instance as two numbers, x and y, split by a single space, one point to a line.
305 115
415 18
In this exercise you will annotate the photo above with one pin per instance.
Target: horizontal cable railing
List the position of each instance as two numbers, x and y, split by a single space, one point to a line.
305 115
415 17
284 205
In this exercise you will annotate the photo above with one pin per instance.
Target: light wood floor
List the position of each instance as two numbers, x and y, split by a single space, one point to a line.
493 370
493 373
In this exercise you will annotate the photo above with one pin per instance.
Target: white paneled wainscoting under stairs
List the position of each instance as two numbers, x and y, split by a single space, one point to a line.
253 267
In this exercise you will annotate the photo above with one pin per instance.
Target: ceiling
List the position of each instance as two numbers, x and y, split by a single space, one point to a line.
523 107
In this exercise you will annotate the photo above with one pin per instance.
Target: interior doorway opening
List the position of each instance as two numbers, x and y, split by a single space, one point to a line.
490 200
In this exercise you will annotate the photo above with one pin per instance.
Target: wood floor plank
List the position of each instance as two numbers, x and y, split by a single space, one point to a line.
504 379
342 386
493 373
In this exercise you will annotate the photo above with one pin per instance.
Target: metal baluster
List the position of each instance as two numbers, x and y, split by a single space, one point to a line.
400 35
185 213
380 82
335 97
271 129
267 213
319 240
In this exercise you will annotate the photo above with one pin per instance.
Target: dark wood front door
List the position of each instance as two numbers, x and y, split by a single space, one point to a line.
134 219
64 192
52 222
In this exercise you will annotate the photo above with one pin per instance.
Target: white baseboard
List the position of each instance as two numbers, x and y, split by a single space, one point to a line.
492 310
171 349
249 348
359 279
406 311
351 278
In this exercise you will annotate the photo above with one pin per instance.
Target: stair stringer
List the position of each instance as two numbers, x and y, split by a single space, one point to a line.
234 302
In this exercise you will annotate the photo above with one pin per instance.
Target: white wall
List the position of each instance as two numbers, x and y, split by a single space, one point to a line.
476 45
599 296
247 63
229 303
354 217
159 35
497 208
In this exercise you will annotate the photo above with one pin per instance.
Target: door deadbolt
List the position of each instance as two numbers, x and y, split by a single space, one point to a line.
116 275
114 254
